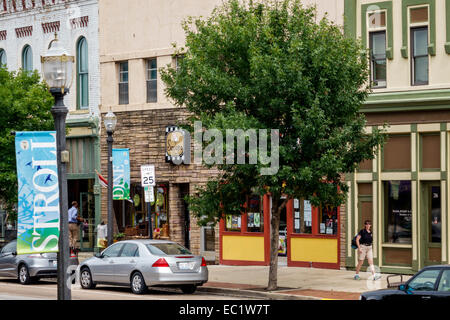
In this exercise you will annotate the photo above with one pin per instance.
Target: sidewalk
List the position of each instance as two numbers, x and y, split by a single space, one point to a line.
293 283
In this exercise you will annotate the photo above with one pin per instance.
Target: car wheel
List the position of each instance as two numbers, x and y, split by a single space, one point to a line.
86 279
189 288
24 275
138 285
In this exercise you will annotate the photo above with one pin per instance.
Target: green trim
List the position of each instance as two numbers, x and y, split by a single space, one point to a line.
434 99
386 5
431 23
350 18
447 18
414 176
414 127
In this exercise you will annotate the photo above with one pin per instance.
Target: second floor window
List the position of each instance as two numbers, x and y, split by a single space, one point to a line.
123 82
2 58
419 55
152 74
82 74
419 45
27 59
378 59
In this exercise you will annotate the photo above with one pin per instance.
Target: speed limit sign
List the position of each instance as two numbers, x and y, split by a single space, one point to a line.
148 175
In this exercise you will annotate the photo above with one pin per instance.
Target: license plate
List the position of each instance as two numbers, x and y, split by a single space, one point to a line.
55 263
186 265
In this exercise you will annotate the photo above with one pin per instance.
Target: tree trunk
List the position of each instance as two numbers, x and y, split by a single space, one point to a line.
274 239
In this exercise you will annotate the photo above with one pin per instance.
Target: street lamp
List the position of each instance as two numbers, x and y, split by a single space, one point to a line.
57 72
110 122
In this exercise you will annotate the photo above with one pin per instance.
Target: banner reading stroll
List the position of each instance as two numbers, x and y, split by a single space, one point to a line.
38 206
121 174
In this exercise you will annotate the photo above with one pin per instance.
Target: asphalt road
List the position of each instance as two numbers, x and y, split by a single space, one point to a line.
11 289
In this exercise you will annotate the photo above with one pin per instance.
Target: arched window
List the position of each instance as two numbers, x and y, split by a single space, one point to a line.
82 74
2 58
27 58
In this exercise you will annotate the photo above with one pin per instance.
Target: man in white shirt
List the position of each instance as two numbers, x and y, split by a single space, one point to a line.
73 225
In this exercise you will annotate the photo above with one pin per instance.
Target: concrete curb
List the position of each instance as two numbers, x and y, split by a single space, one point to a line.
253 294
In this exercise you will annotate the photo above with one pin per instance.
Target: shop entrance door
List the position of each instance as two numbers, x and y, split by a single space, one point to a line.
87 212
184 191
431 224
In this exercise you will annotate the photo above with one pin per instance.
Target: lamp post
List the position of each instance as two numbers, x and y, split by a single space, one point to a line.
57 72
110 122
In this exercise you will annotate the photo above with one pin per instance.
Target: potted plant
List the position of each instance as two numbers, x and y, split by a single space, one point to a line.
119 236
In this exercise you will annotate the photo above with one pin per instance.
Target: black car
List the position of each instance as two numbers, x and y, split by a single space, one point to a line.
430 283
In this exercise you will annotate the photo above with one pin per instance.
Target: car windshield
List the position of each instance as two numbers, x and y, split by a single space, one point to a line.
160 249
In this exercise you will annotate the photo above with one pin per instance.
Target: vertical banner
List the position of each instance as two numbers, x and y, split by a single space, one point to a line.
38 206
121 174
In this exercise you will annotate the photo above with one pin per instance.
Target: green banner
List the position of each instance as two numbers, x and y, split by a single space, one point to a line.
121 174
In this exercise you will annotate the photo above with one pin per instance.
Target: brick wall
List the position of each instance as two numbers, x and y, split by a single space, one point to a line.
143 132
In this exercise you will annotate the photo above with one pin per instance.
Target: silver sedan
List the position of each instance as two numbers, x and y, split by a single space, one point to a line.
29 267
140 264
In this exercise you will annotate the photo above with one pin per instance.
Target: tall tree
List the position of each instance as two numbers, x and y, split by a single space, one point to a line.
271 65
25 104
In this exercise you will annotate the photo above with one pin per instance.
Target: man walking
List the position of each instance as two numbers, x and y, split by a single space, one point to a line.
364 242
73 225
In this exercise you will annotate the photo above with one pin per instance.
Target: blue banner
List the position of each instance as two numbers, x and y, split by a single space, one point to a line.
121 174
38 206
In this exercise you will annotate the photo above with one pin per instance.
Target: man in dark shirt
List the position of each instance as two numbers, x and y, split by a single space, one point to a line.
364 242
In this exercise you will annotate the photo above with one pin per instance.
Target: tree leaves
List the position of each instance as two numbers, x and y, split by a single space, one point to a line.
25 105
271 65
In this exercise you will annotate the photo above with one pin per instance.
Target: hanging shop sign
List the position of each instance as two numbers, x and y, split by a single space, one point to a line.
38 205
121 174
178 143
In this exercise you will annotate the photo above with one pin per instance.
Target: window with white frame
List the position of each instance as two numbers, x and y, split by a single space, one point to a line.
377 47
2 58
27 58
123 83
82 74
152 81
418 23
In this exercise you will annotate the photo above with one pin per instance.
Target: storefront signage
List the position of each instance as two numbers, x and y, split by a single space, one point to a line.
121 174
178 145
149 195
37 174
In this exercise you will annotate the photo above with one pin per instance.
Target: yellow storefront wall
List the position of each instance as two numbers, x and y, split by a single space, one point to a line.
243 248
314 250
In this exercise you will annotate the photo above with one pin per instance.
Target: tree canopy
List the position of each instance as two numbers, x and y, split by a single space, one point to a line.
271 64
25 105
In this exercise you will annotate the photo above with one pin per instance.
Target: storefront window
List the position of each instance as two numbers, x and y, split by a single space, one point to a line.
160 209
398 214
436 214
328 220
255 215
302 216
233 222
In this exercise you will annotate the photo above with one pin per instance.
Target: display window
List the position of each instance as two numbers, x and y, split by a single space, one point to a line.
302 216
255 214
398 212
233 222
328 220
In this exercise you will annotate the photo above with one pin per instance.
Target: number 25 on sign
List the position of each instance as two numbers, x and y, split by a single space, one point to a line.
148 175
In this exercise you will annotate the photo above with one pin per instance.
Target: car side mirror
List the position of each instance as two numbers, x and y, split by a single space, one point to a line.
99 255
402 287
